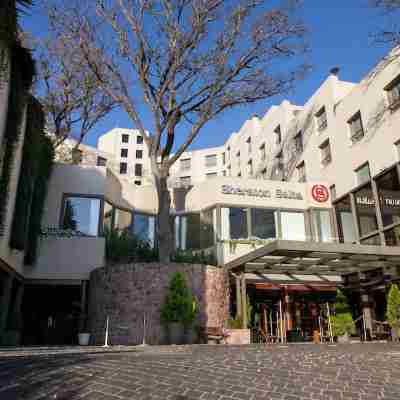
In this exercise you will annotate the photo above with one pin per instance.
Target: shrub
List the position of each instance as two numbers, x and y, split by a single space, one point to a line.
393 306
342 321
191 257
180 305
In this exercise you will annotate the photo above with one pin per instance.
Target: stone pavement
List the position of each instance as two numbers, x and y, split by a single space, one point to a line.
293 372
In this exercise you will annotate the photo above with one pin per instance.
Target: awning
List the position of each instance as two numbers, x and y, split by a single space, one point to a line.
310 258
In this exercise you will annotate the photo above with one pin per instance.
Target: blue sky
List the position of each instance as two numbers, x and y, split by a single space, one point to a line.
340 35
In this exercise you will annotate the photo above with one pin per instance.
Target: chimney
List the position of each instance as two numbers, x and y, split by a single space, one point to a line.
335 71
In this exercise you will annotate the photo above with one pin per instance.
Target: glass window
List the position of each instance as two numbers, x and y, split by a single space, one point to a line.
123 168
262 152
332 189
322 121
356 127
298 142
122 220
293 226
125 138
248 141
185 164
138 169
144 227
372 241
101 161
389 196
207 228
139 154
344 215
326 156
363 174
301 172
392 236
234 223
124 153
366 211
190 232
211 160
278 134
107 215
393 91
82 214
139 139
263 223
321 220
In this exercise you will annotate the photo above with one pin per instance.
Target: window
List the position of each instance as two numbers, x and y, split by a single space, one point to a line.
101 161
139 139
187 231
293 226
144 227
332 189
107 215
211 160
250 167
393 93
298 142
389 196
301 172
356 127
263 223
139 154
123 168
185 164
248 141
138 169
234 223
185 180
124 153
392 236
262 152
125 138
278 135
82 215
366 210
362 174
122 219
211 175
223 158
325 149
321 221
138 183
344 216
207 235
322 121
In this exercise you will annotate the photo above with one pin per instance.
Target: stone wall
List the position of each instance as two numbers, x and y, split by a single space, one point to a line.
127 293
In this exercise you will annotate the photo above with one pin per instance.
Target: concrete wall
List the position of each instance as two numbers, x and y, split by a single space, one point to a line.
127 293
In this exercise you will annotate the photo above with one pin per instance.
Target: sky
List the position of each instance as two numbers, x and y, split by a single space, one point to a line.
340 35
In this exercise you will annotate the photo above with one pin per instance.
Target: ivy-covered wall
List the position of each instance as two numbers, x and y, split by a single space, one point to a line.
37 158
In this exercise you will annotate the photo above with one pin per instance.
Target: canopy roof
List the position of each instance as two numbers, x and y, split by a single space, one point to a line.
311 258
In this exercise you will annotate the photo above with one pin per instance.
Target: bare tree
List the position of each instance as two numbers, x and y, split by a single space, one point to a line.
187 61
68 90
391 9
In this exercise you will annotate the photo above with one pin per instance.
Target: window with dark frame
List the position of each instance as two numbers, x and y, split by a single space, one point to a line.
124 153
139 139
298 142
211 160
393 93
101 161
185 164
356 127
363 174
223 158
326 156
125 138
123 168
332 190
263 154
138 169
278 135
250 167
301 172
322 120
248 141
139 154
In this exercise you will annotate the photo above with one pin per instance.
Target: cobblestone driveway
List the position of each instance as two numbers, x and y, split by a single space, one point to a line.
365 372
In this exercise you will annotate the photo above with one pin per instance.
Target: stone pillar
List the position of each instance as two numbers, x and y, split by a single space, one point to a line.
5 301
238 297
244 302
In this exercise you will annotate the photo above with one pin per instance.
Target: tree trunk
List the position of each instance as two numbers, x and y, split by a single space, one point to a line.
164 232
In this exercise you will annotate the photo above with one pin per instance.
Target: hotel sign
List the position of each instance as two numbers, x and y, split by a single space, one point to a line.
267 194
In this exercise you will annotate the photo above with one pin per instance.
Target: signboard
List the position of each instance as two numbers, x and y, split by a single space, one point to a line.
320 193
268 194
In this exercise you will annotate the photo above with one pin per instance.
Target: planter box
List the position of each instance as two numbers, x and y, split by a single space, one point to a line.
237 336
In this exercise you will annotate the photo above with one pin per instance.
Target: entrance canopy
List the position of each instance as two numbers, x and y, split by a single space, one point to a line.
310 258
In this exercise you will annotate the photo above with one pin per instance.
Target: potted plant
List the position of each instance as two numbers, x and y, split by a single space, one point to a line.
188 320
174 311
83 334
342 322
393 311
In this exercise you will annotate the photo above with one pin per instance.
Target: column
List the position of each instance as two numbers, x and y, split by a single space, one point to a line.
244 301
5 301
238 297
366 306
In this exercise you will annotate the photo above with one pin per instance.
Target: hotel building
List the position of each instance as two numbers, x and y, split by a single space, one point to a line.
293 205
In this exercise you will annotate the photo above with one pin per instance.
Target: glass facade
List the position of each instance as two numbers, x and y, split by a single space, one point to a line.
263 223
144 227
345 223
392 236
389 197
366 211
321 220
122 219
293 226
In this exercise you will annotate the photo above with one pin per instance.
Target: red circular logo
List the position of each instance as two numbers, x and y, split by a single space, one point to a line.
320 193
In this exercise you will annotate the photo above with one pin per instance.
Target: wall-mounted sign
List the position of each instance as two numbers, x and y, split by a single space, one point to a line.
320 193
278 193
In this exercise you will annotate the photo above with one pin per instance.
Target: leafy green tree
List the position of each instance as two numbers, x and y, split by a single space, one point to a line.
342 321
393 306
